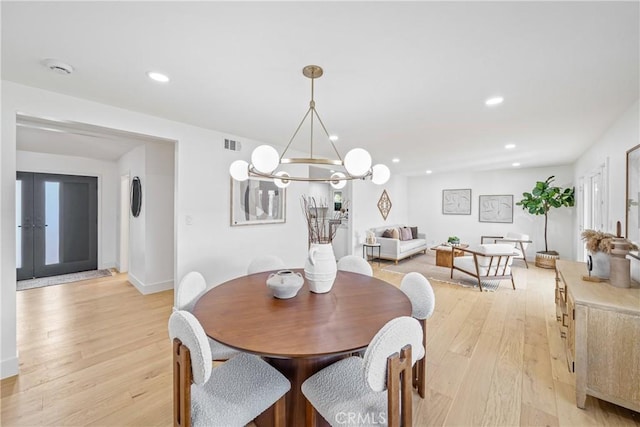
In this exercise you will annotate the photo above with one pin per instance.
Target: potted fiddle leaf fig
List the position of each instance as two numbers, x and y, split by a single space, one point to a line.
539 201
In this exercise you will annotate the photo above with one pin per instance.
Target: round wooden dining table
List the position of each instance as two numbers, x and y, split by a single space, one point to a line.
301 335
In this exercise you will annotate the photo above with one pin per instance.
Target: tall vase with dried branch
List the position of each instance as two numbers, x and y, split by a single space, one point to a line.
320 266
600 245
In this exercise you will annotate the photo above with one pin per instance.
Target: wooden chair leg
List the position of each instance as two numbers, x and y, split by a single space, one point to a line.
421 365
399 396
181 385
279 412
422 372
513 283
524 255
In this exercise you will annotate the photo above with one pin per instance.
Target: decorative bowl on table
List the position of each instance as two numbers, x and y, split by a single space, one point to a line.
285 284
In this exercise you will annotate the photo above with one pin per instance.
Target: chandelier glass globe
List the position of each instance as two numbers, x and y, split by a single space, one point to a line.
281 181
357 162
337 180
239 170
265 159
380 174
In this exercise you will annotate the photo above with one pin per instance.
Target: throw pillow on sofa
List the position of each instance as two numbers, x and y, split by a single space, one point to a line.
405 233
395 233
414 232
388 233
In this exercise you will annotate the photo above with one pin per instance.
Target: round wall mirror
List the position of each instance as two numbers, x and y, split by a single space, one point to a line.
136 196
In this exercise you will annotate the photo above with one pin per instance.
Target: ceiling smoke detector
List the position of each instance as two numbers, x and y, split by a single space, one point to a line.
58 66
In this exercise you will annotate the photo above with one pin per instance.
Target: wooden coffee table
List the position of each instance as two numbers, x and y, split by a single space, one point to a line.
444 254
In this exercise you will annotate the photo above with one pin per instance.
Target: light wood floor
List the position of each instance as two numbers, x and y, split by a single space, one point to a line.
97 353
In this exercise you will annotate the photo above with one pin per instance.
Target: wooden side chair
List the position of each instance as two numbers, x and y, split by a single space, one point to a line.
491 261
423 302
233 394
190 288
374 390
355 264
265 263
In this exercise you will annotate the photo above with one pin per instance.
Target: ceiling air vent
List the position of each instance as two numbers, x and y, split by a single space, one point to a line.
58 67
230 144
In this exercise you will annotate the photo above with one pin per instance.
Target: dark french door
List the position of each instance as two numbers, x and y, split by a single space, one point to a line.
57 224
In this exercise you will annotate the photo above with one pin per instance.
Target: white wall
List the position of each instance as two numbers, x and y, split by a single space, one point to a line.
134 164
623 135
209 244
364 210
320 191
151 234
425 207
159 188
108 190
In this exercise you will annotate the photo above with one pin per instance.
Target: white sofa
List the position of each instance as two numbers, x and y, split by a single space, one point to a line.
396 249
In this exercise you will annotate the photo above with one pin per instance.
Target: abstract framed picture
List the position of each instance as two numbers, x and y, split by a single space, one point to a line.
456 202
497 208
257 201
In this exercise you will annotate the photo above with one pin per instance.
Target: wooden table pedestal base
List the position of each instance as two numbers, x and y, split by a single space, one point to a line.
296 371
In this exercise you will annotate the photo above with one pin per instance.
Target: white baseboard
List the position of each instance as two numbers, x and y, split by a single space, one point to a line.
150 288
9 367
107 266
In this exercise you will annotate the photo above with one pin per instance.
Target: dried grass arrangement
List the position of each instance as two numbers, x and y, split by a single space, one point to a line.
321 225
599 241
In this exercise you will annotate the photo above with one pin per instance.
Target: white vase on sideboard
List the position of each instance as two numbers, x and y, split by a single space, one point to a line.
600 264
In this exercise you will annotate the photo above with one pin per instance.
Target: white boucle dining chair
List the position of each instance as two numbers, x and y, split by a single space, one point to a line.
376 387
423 301
355 264
232 394
265 263
190 288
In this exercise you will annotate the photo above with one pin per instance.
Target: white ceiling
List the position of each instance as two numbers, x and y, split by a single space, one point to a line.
402 79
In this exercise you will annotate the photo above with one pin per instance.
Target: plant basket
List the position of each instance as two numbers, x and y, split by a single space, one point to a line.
547 259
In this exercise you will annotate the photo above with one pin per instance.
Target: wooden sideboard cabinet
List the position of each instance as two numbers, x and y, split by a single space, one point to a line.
600 326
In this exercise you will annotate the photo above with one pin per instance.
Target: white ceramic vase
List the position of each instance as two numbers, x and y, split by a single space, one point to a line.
601 264
320 268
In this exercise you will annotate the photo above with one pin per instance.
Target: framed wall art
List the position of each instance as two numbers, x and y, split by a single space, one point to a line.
497 208
456 202
257 201
384 204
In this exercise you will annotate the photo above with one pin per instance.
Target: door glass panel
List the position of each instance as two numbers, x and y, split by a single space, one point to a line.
52 222
18 224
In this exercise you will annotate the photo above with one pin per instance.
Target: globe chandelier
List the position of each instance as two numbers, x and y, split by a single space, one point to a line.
356 164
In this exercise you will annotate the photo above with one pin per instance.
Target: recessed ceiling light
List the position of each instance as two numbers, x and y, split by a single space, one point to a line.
395 160
158 77
510 146
429 171
516 164
333 138
494 100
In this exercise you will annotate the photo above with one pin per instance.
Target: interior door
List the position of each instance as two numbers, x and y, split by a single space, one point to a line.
58 226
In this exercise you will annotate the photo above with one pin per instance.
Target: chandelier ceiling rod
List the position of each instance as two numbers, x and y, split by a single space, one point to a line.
312 72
